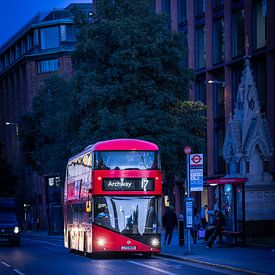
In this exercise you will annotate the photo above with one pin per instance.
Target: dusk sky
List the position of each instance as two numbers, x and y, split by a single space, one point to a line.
14 14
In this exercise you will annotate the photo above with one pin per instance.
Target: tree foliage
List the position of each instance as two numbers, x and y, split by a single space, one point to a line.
129 82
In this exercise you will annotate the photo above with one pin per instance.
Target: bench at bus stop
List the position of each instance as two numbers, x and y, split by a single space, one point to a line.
233 238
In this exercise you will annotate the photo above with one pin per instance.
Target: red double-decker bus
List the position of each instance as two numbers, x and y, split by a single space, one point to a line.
112 198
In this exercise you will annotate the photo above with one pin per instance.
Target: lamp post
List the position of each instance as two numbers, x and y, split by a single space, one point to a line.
15 125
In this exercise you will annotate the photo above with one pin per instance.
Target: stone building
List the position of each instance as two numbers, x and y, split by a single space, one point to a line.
247 151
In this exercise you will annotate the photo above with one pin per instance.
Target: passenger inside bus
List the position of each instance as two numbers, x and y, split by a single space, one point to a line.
103 217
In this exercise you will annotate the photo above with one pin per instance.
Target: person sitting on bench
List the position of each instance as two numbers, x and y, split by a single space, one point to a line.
219 223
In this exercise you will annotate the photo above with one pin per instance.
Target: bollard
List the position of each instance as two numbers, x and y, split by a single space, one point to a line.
181 230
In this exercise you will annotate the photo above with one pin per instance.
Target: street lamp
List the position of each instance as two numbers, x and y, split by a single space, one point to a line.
216 82
13 124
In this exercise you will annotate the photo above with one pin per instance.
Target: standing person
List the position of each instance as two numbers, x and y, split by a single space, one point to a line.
196 225
204 216
169 221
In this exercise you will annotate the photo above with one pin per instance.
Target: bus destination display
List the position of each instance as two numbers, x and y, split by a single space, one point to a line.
128 184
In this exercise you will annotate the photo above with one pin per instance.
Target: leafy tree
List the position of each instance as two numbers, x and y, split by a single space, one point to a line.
46 131
129 82
7 178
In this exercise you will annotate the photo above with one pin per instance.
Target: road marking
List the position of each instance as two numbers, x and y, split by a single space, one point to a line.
151 267
18 272
5 264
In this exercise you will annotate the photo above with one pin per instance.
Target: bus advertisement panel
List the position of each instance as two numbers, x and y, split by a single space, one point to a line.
112 198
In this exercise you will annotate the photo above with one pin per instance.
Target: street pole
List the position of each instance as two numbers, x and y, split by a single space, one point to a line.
188 196
187 151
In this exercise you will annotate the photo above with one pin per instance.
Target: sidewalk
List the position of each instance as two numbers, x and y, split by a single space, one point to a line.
249 260
246 259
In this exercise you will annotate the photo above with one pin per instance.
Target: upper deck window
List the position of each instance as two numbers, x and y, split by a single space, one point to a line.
127 160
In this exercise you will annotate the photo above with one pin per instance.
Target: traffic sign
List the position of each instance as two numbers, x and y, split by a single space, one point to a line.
196 160
187 150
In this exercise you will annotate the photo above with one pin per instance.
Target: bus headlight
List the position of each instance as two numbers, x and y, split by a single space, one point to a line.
16 230
101 242
155 242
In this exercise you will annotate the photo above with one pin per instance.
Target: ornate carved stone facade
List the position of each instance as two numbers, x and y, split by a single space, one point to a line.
248 148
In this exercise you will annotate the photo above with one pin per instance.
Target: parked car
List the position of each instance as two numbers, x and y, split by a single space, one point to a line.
9 222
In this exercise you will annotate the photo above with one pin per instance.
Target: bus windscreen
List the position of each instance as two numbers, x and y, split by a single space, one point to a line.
127 215
126 160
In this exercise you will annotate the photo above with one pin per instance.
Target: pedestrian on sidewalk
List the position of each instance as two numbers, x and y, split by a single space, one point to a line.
204 214
169 222
219 225
196 225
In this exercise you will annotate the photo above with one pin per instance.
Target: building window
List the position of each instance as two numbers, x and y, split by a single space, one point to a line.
29 42
166 7
200 47
71 32
199 7
259 11
45 66
219 111
49 38
217 3
11 56
219 123
182 11
6 61
218 40
260 79
236 79
219 135
201 90
23 47
238 33
17 51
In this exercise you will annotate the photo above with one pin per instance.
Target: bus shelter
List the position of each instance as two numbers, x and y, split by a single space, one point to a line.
230 199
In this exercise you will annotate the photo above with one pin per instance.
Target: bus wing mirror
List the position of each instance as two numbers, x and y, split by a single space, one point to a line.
88 206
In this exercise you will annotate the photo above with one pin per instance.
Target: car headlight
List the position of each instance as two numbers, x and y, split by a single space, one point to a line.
154 242
16 229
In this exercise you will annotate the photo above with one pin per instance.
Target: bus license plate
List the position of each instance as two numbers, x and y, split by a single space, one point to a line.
128 247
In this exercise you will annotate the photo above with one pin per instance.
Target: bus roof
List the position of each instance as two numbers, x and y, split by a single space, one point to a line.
125 144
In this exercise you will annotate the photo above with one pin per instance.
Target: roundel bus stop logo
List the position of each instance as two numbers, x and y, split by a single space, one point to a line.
196 160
